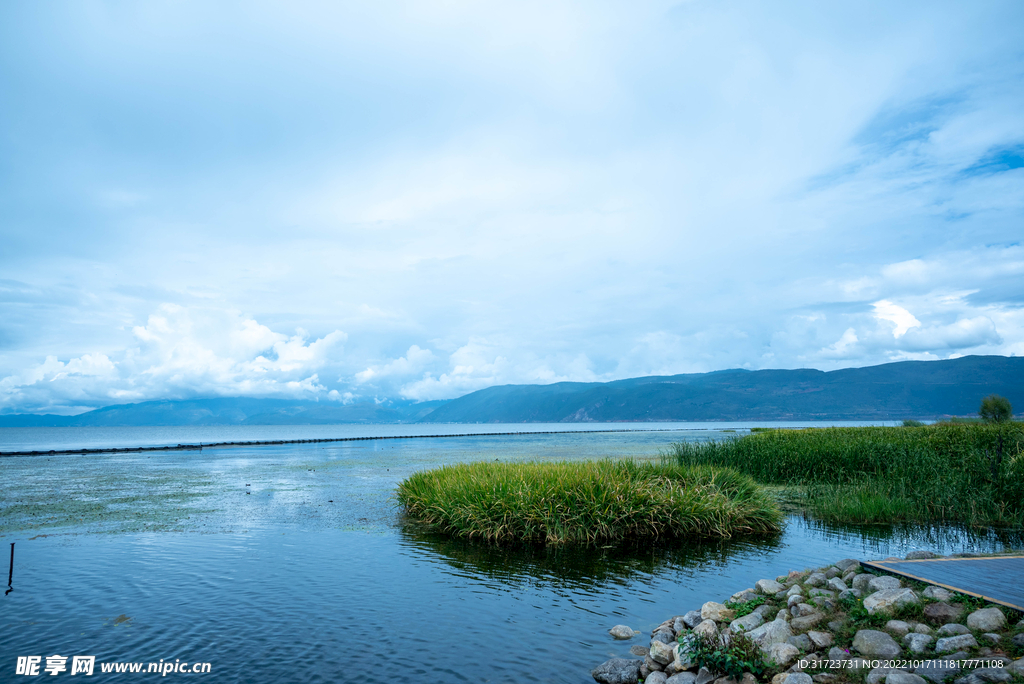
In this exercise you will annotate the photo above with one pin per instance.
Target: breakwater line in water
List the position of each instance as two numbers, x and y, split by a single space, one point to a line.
213 445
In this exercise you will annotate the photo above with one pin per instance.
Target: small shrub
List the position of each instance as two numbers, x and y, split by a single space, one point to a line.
912 423
731 660
995 409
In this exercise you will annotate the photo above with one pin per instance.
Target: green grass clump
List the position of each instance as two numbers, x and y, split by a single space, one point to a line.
587 502
745 608
970 473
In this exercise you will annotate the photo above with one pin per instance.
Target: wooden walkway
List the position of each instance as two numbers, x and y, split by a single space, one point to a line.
998 579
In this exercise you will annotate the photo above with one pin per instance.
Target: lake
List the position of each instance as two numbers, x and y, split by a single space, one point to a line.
292 563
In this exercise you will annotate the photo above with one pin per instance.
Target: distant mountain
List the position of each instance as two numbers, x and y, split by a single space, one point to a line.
233 411
892 391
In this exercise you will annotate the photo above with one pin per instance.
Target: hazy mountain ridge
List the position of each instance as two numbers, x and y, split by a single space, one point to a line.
906 389
233 411
893 391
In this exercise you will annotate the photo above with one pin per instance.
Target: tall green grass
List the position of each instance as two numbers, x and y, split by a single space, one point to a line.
966 473
587 502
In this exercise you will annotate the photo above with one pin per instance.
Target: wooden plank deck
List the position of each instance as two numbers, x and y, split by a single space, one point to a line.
998 579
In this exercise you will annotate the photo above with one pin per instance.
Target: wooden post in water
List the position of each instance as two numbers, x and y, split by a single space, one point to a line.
10 573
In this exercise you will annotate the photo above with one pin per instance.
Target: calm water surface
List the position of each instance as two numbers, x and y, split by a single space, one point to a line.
314 575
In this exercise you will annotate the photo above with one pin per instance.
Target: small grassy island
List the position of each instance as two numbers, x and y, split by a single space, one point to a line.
588 501
966 473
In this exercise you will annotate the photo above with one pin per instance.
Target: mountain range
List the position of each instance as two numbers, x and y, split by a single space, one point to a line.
892 391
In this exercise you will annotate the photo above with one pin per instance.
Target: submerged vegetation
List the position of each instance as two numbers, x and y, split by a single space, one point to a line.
588 502
969 473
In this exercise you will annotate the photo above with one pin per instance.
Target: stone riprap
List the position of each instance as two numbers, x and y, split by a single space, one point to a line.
804 619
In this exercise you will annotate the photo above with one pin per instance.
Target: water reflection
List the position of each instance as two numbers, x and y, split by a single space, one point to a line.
880 540
573 566
577 567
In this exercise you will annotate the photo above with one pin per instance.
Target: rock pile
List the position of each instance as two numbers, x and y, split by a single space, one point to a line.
803 625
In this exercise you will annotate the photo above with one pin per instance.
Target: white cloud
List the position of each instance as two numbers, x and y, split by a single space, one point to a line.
182 353
900 317
558 191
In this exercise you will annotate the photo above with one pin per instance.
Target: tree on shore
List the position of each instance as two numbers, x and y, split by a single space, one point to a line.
995 409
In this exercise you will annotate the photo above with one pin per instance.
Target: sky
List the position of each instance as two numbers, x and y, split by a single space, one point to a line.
415 200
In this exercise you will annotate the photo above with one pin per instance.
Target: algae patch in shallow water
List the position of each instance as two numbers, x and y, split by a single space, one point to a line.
87 498
588 501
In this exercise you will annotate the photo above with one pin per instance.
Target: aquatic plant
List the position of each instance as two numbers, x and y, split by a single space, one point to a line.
964 472
728 657
587 501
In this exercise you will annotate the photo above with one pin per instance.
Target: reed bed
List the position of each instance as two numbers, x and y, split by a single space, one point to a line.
587 502
956 472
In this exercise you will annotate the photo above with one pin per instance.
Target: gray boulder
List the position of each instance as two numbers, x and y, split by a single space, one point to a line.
837 585
952 629
746 623
871 642
804 623
682 678
707 627
922 628
820 639
617 671
664 636
656 678
860 582
887 600
937 669
716 611
904 678
936 593
878 674
743 596
848 564
850 593
662 654
692 619
621 632
638 650
921 555
986 675
704 676
898 627
802 609
942 613
883 583
797 678
774 632
955 643
1018 640
801 641
781 654
768 587
917 643
987 620
816 579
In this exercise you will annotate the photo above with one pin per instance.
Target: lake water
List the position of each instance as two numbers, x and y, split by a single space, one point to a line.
291 563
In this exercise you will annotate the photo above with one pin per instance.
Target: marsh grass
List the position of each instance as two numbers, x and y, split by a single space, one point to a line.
970 473
588 501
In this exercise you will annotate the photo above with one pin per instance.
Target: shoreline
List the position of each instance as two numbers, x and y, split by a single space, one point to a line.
216 445
843 623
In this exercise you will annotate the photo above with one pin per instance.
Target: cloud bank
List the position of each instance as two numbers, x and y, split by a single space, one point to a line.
418 200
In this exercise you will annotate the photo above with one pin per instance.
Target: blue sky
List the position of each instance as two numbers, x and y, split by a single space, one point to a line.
420 199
